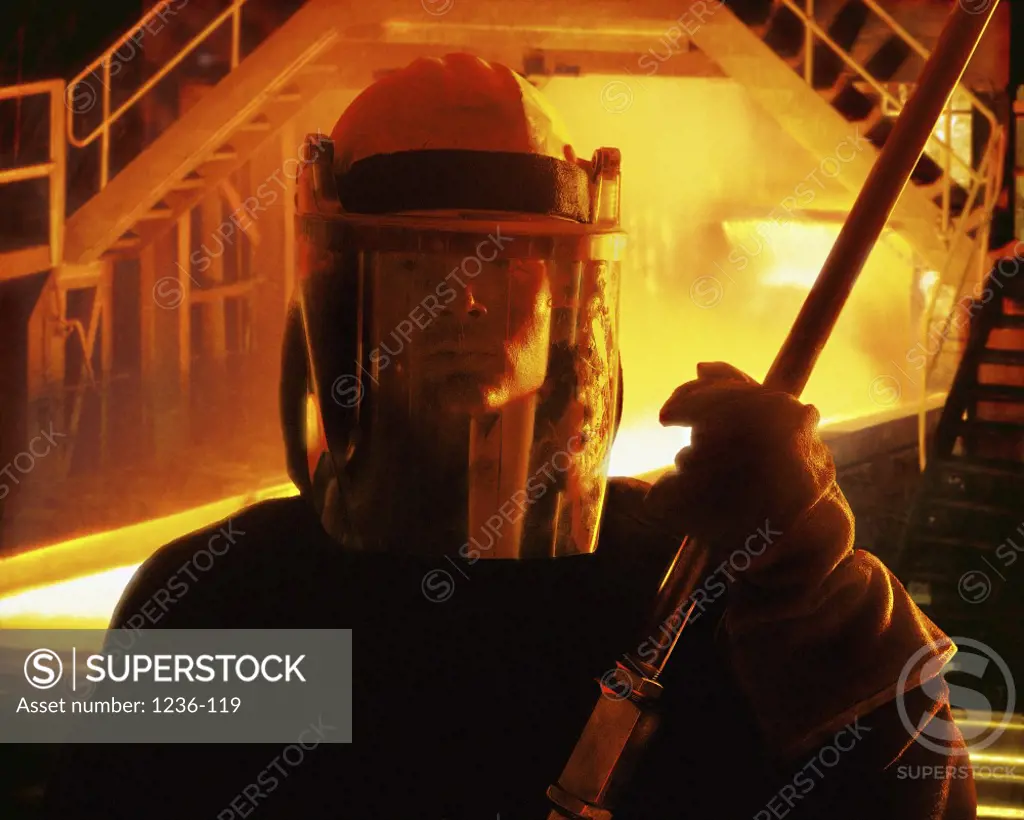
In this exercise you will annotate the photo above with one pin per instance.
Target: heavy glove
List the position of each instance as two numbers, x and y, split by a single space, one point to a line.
755 466
816 632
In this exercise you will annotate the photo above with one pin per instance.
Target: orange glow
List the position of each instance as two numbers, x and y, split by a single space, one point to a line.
715 271
76 584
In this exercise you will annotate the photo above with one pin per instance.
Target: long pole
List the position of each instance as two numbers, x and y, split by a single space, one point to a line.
620 727
813 325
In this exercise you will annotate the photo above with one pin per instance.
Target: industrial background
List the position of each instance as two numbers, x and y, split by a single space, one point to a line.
148 157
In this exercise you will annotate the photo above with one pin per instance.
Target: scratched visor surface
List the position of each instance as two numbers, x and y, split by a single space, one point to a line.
466 381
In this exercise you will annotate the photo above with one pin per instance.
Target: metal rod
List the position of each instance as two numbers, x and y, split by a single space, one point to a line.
105 141
58 183
809 47
611 742
889 176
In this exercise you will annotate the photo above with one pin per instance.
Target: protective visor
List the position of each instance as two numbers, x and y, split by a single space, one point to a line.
464 375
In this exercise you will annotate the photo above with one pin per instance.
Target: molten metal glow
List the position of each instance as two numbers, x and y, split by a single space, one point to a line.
77 583
929 279
699 284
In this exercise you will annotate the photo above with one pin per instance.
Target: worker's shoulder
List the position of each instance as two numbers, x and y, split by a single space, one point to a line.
626 527
218 562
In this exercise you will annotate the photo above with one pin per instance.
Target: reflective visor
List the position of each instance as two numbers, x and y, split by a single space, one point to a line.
466 374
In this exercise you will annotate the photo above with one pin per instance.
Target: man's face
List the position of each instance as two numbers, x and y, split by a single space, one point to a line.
480 331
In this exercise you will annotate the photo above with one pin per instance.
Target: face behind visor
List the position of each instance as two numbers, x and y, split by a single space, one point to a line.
463 373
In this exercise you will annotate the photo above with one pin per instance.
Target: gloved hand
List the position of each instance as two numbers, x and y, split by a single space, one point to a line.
815 632
755 463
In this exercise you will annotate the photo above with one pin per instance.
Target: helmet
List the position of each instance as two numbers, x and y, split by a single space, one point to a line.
450 377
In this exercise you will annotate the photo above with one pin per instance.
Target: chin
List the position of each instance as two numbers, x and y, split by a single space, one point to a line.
463 395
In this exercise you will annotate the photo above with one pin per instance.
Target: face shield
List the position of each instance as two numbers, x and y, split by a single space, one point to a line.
464 375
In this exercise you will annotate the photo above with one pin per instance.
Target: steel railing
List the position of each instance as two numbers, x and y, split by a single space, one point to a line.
983 181
939 144
55 168
78 89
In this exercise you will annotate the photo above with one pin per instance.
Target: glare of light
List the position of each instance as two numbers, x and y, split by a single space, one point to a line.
929 279
796 250
77 583
664 334
999 812
993 759
640 450
100 551
80 603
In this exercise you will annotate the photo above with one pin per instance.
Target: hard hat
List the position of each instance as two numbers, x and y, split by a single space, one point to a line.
451 375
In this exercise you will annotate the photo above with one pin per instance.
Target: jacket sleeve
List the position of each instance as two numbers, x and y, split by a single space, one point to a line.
873 767
816 632
819 634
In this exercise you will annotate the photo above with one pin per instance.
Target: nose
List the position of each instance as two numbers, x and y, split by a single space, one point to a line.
473 307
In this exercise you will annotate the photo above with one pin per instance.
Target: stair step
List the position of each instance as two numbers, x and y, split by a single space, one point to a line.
318 68
978 466
257 125
785 35
871 121
1008 322
958 195
126 243
997 392
159 212
886 62
831 73
1012 358
936 591
946 542
189 183
947 502
853 104
223 154
751 12
991 426
828 67
848 23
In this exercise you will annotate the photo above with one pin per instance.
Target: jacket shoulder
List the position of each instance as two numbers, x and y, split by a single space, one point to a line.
627 529
215 563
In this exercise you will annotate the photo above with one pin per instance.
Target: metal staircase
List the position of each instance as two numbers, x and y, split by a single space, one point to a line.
999 766
153 191
962 554
807 67
810 69
201 149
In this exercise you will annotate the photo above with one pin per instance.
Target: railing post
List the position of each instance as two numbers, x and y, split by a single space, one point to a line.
809 45
105 140
236 34
947 162
58 151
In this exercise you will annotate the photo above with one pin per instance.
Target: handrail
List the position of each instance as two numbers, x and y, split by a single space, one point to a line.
55 169
993 165
911 41
990 162
812 24
10 92
986 176
104 62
